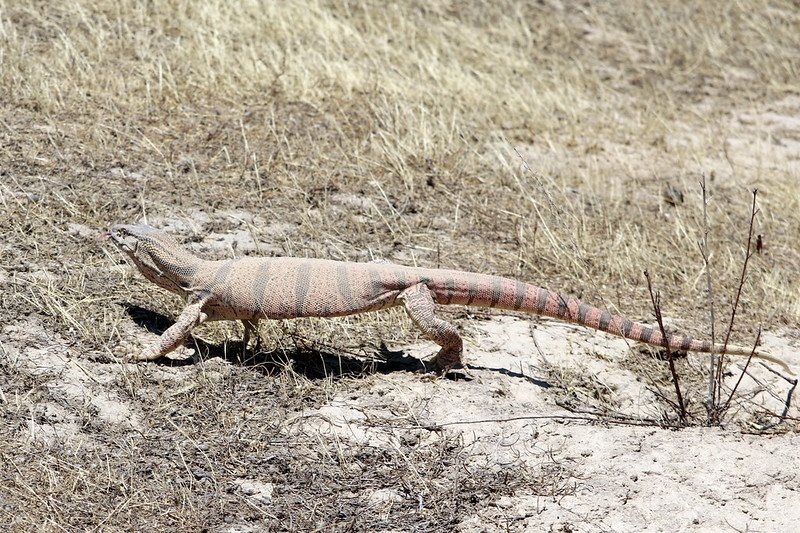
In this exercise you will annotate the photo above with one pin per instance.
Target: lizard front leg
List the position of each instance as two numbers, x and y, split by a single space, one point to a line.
418 301
176 334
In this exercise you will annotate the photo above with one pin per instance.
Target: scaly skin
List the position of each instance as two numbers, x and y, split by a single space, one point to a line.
250 289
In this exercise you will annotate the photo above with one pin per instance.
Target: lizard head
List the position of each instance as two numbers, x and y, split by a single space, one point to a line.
157 255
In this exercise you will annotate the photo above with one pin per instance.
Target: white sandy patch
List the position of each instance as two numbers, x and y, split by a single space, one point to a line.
605 477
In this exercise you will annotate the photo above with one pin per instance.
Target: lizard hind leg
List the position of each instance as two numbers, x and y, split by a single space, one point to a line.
418 302
250 328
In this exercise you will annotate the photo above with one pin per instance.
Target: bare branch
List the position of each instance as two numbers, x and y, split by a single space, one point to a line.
655 299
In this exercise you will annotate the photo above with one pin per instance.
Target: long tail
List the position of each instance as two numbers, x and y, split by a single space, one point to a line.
504 293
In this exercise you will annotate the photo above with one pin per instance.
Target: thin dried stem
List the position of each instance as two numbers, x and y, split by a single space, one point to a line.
727 403
747 255
656 300
712 373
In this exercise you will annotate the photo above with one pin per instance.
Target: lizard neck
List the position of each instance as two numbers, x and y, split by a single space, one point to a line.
172 268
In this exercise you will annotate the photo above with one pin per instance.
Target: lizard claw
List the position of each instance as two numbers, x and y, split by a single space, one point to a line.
440 368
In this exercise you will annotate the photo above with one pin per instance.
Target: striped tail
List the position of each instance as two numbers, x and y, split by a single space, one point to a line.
503 293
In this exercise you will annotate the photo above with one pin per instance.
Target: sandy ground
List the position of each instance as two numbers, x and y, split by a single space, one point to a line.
583 472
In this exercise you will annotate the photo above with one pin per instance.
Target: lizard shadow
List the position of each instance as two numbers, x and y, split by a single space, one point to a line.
309 362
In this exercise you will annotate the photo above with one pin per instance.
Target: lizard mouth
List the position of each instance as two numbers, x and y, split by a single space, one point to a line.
117 236
114 236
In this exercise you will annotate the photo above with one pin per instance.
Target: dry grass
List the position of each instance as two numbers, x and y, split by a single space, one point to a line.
533 140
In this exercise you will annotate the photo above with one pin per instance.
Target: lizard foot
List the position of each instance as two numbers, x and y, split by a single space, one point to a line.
445 363
147 354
